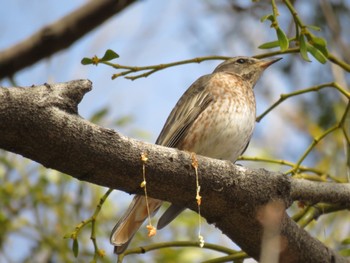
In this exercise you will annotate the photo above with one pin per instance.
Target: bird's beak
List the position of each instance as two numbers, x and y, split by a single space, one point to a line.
267 62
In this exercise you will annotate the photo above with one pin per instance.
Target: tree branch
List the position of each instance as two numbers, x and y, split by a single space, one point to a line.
336 193
42 123
59 35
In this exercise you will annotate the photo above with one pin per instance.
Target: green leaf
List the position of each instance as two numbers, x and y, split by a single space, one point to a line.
273 44
99 115
268 45
86 61
75 247
125 120
303 48
282 39
321 44
316 28
109 55
345 252
346 241
269 17
317 54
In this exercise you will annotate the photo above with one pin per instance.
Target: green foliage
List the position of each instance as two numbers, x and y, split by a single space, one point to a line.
303 48
75 247
320 43
346 241
269 45
282 39
346 251
86 61
124 120
314 45
316 53
108 56
100 115
40 205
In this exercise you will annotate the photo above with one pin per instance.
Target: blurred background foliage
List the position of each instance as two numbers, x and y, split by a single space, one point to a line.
40 206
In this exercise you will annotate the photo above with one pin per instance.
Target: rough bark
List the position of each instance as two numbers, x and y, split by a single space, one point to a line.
42 123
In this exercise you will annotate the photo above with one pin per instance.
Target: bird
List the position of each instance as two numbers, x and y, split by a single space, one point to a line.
215 117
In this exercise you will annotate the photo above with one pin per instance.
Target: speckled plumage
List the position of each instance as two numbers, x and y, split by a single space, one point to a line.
215 117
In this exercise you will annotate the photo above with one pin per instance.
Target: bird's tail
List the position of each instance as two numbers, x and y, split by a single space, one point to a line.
127 226
169 215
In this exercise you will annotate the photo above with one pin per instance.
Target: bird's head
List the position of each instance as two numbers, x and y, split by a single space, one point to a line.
248 68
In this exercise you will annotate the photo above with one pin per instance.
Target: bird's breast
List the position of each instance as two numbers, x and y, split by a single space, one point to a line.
224 128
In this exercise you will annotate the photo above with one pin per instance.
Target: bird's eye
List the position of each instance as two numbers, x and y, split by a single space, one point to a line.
241 61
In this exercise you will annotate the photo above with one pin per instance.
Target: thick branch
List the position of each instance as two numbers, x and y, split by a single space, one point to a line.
321 192
41 123
59 35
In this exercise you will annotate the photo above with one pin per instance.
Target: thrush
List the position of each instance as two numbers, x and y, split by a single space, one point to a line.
215 117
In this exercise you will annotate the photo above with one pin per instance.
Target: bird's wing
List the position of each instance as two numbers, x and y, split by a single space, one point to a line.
192 103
